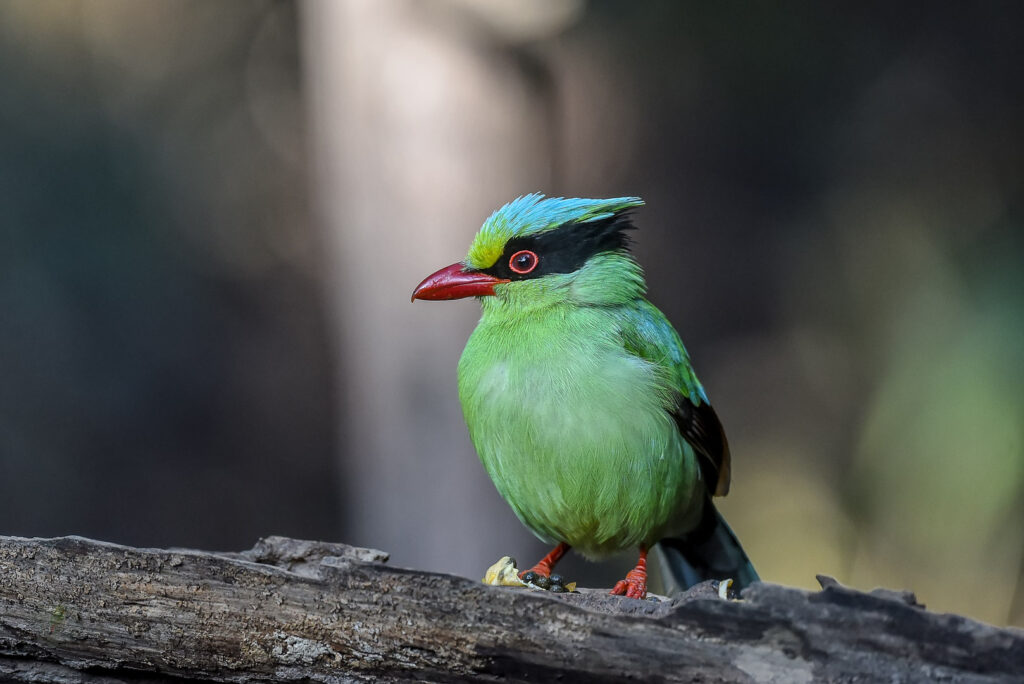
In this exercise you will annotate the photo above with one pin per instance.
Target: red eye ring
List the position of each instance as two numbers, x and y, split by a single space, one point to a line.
523 261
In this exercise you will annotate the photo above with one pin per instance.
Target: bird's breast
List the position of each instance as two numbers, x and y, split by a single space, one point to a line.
557 389
576 435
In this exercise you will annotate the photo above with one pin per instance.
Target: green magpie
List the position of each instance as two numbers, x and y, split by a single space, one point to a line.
580 398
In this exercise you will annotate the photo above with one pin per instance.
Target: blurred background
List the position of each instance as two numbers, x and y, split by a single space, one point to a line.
213 215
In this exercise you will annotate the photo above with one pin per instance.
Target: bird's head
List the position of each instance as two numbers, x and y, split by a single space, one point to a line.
538 251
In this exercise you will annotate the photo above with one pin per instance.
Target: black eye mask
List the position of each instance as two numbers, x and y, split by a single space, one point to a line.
566 248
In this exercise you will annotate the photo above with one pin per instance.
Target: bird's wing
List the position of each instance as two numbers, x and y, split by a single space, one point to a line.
647 334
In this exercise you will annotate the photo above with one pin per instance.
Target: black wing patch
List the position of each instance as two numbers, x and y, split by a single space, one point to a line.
700 427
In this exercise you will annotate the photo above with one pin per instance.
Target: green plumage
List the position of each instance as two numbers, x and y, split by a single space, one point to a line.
569 407
572 385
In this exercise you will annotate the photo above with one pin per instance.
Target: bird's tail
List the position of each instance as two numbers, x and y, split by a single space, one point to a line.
711 551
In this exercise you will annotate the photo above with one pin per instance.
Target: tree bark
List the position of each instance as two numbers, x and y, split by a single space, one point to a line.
77 610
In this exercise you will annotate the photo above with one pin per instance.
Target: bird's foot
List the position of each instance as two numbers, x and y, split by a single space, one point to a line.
540 574
546 564
631 587
635 584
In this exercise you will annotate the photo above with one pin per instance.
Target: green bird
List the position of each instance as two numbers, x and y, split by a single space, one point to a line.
580 398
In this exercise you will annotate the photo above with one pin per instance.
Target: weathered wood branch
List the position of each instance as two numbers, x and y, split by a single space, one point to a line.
75 610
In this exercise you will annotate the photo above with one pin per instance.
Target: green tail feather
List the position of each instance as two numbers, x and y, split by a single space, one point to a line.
711 551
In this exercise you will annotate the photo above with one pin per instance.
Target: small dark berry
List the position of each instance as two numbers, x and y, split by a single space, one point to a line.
557 579
557 588
542 582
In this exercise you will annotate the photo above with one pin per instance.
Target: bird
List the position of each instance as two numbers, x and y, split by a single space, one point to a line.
580 398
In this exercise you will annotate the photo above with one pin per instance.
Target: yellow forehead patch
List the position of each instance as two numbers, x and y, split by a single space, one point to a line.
483 255
489 243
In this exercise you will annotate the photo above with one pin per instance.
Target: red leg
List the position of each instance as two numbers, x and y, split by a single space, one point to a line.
635 584
547 563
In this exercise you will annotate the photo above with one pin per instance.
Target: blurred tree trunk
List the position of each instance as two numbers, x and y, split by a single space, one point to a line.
422 124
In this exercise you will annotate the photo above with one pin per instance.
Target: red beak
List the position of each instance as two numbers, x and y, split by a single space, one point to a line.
453 282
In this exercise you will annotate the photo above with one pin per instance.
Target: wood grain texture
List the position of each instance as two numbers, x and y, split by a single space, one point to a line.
77 610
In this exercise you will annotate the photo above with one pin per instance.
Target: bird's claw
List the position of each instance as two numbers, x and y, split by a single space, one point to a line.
635 584
630 588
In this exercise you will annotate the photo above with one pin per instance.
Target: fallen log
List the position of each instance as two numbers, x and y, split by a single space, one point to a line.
77 610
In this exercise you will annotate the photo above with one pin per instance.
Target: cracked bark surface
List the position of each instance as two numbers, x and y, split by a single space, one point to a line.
77 610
